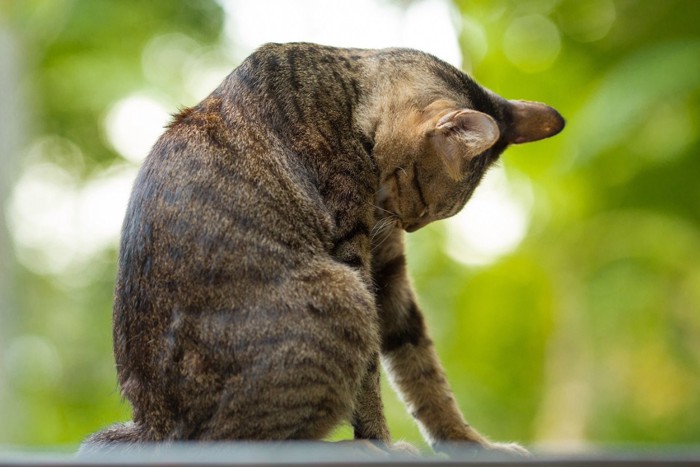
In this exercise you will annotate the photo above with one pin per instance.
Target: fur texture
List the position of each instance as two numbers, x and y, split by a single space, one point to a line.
262 270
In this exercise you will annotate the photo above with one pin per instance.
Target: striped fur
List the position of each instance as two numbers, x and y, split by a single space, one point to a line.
261 270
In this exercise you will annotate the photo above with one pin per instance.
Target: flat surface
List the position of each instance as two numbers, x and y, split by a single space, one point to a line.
310 454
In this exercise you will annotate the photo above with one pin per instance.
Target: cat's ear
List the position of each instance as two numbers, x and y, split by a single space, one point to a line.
460 135
532 121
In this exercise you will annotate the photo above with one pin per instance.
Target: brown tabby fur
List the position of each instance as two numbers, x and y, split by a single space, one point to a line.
262 271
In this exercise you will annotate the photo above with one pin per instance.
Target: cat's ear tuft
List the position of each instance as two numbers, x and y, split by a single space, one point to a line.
532 121
461 135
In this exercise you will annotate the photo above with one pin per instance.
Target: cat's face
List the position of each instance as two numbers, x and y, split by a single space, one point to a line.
437 154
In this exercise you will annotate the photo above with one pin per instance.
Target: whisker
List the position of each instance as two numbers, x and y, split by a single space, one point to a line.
381 225
382 230
381 242
381 209
376 229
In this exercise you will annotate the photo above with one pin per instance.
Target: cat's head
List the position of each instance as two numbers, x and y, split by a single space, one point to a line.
435 149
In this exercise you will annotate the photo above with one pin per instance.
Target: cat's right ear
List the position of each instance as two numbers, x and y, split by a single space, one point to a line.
461 135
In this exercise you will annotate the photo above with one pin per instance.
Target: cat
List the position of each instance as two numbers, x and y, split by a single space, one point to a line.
261 271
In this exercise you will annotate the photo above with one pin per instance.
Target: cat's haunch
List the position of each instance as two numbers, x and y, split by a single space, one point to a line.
261 267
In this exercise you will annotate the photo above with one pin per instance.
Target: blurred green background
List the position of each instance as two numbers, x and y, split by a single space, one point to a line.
583 330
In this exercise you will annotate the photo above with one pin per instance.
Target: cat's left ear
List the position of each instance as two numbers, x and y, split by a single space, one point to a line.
462 134
532 121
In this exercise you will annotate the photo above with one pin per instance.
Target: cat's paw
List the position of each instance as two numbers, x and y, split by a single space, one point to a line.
364 447
403 448
380 449
456 450
508 448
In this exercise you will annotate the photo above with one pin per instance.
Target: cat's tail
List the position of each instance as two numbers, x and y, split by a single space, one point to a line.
115 437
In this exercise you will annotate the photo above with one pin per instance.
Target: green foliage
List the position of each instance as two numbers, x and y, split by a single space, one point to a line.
588 331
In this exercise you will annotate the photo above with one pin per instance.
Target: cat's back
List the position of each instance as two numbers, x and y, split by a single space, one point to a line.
219 214
253 156
225 251
217 180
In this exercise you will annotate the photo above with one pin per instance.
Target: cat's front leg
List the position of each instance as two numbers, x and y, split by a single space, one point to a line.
368 420
410 357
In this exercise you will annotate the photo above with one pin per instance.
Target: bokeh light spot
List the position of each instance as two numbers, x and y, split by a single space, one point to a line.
493 223
32 363
134 124
58 224
588 21
532 43
474 42
429 25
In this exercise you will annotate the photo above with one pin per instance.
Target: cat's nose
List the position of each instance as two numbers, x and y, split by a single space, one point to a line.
413 226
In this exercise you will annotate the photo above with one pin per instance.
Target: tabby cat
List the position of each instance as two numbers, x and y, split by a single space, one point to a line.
262 271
